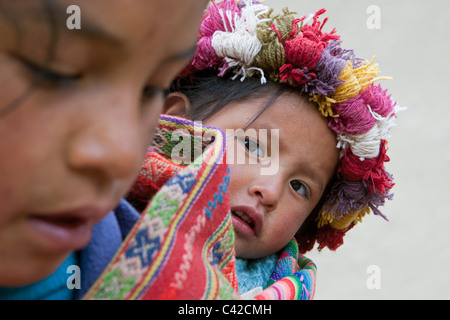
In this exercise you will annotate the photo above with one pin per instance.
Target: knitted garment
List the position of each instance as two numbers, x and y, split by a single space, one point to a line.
254 273
290 276
182 247
294 277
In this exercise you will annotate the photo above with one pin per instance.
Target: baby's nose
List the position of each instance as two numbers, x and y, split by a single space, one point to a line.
268 189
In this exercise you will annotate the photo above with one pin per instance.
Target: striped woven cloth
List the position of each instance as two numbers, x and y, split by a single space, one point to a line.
182 247
294 277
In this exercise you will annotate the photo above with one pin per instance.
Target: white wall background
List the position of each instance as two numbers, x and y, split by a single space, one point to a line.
412 250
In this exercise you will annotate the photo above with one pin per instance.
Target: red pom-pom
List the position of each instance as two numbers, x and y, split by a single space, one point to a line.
303 50
330 237
370 170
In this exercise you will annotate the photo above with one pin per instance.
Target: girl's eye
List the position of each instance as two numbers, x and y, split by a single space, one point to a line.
300 188
151 92
254 147
52 76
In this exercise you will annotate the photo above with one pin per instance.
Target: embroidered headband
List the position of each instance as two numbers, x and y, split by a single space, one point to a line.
246 39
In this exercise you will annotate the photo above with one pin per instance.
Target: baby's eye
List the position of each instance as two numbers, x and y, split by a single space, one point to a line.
254 147
300 188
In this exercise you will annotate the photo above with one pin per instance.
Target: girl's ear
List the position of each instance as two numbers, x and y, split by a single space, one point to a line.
176 104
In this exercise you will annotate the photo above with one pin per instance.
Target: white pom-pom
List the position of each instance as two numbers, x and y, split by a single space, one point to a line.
240 45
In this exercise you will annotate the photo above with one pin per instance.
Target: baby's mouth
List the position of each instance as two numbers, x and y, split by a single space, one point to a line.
244 217
247 220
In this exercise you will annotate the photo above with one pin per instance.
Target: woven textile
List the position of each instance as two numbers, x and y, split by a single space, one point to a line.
294 277
182 247
183 240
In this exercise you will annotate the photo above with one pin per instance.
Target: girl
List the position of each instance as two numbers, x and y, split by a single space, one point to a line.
260 72
77 109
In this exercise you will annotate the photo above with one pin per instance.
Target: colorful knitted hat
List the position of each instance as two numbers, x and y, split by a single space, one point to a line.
246 39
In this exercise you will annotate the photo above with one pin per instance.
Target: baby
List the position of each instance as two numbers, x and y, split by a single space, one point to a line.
290 96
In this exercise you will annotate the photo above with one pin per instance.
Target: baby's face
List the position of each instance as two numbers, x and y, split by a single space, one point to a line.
71 147
268 206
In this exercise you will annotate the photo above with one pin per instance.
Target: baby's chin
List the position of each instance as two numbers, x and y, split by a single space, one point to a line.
246 251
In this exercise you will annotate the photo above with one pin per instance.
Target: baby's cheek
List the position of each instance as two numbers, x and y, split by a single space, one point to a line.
237 179
289 224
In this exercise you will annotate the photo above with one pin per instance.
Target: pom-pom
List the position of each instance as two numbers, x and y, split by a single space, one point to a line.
370 170
330 237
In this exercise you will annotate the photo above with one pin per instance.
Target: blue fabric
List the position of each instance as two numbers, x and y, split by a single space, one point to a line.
54 287
107 237
252 273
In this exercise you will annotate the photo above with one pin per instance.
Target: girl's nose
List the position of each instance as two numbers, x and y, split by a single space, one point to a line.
112 141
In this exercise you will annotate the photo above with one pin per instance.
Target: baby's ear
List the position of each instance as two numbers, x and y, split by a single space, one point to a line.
176 104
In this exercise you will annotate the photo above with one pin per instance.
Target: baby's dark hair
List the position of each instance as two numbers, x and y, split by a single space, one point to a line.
208 93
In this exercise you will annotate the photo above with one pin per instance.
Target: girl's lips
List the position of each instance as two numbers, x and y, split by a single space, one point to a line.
65 231
246 220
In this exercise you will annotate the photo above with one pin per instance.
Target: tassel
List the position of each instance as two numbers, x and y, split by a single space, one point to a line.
330 237
356 80
370 170
303 50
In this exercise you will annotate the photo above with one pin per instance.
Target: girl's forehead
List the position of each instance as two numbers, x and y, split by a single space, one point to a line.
124 23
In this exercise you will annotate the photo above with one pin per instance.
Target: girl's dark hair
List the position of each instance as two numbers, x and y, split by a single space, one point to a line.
50 17
209 93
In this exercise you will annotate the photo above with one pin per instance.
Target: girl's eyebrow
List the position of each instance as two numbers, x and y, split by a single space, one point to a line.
90 30
57 16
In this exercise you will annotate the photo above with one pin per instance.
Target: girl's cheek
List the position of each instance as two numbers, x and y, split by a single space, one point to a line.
19 87
13 82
